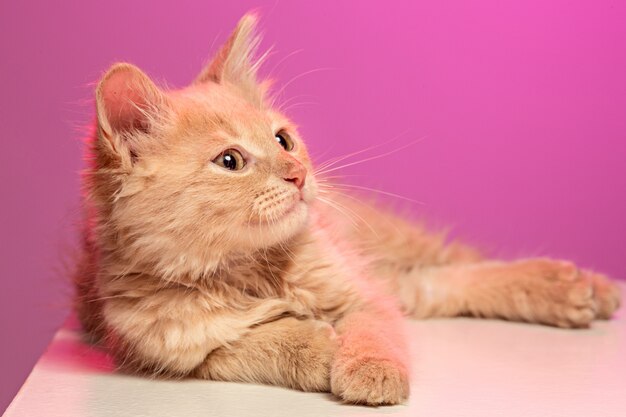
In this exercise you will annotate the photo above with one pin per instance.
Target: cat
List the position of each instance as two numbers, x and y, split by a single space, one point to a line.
212 249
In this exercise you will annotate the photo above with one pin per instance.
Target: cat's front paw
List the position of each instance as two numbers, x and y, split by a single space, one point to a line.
370 381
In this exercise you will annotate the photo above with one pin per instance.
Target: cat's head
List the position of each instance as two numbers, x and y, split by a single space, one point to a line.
183 178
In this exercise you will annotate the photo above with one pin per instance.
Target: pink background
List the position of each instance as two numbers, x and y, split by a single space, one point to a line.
522 106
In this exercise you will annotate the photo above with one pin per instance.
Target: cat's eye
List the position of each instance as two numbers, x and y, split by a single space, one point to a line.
284 140
231 159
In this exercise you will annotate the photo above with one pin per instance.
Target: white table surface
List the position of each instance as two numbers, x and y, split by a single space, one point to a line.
462 367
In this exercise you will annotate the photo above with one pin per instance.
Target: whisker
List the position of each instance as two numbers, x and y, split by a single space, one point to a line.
294 105
328 178
369 206
291 99
297 77
360 187
283 59
371 158
325 152
355 214
333 205
334 161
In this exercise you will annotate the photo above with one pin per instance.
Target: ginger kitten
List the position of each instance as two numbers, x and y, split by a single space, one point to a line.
207 254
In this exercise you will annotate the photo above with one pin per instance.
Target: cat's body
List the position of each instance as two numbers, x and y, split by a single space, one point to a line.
208 255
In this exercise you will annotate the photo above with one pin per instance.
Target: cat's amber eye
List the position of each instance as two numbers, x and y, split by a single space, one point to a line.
284 140
231 159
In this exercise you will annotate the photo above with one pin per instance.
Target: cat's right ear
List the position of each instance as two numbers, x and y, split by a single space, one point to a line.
127 103
235 62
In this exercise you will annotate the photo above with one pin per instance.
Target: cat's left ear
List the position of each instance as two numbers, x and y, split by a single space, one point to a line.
235 62
129 106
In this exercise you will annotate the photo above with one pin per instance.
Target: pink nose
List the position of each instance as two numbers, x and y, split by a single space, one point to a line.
297 175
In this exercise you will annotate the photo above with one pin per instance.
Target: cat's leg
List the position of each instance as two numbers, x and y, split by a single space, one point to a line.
434 277
364 362
288 352
535 290
171 332
372 363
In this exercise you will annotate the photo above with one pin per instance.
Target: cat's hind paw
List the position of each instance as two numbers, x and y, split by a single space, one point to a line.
555 293
606 294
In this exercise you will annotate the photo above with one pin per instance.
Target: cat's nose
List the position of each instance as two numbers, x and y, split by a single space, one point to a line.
296 175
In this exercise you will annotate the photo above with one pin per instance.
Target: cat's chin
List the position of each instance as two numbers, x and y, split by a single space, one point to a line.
290 222
299 205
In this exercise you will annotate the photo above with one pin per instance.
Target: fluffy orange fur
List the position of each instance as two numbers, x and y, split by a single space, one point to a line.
193 269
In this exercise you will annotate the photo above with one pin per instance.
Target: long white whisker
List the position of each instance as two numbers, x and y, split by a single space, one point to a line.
333 205
283 59
298 104
292 99
370 158
297 77
360 187
355 214
360 201
329 178
334 161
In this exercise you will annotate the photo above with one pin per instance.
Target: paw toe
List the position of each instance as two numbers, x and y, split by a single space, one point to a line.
607 295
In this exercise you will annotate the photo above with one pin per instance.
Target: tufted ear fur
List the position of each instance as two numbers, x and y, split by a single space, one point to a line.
128 105
235 63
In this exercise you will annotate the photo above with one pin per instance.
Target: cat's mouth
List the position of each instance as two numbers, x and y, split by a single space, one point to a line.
296 208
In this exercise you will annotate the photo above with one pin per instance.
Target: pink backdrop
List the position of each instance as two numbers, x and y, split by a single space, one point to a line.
522 106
